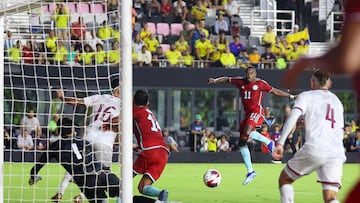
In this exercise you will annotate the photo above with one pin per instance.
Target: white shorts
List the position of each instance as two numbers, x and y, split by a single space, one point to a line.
329 170
103 154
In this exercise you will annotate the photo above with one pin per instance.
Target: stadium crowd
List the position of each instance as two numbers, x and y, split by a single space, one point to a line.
178 33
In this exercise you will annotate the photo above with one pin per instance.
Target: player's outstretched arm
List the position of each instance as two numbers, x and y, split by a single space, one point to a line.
219 80
70 100
281 93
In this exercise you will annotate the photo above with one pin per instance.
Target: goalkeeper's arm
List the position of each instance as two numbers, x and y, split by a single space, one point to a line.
69 100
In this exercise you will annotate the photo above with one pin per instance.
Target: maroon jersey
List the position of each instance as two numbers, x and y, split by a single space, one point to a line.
147 130
352 6
251 93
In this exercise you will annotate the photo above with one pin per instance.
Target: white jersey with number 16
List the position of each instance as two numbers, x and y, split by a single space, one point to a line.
104 108
324 122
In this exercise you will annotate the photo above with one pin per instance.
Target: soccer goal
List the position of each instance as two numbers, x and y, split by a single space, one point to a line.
53 45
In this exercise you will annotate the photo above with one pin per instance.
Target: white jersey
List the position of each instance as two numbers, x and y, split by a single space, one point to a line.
104 108
324 122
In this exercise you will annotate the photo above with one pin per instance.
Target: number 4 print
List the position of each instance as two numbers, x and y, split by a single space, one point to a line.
330 115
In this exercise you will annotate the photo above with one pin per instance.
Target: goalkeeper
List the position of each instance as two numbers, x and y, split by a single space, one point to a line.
75 155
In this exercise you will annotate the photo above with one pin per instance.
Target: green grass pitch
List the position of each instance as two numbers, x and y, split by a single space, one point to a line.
184 182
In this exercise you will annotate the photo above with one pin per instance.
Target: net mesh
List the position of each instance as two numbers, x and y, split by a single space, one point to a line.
52 45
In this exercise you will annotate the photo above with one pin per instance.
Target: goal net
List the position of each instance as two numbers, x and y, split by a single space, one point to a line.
49 46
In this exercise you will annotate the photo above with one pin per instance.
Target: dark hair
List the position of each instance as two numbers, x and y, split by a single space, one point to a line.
321 77
65 126
141 98
115 83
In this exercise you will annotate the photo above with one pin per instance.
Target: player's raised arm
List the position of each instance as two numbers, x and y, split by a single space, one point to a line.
219 80
70 100
288 126
281 93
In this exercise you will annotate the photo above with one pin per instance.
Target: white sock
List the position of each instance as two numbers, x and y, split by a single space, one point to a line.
334 201
287 193
64 183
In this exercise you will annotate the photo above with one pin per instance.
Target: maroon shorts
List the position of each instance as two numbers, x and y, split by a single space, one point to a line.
151 162
254 120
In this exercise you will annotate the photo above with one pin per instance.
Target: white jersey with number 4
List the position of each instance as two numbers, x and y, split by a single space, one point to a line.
104 108
324 122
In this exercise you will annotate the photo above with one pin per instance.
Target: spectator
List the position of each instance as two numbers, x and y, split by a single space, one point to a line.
268 59
232 8
25 141
40 53
52 126
295 54
195 34
287 47
151 43
165 8
180 10
269 119
145 32
140 7
254 58
243 61
295 30
204 141
215 54
137 43
62 18
93 40
173 56
40 143
228 59
223 145
268 38
114 53
112 5
235 29
153 8
28 52
187 32
72 56
51 43
144 57
7 138
100 54
158 57
198 11
114 20
212 142
236 46
9 41
278 48
303 47
197 129
221 25
78 33
170 142
202 27
265 133
353 126
182 45
347 137
105 32
31 124
223 42
292 139
61 53
188 58
86 57
275 135
355 143
203 49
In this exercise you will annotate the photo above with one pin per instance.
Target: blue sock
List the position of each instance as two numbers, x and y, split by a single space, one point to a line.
118 200
151 191
245 153
255 135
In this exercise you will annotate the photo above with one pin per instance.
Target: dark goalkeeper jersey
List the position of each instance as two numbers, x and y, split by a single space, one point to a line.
74 154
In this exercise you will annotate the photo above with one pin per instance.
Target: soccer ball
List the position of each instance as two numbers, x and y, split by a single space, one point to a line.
212 178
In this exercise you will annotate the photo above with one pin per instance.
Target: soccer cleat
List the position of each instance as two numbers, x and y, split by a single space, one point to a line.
56 198
271 146
78 199
34 179
249 177
163 196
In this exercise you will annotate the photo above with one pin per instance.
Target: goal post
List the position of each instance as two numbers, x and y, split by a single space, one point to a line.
30 78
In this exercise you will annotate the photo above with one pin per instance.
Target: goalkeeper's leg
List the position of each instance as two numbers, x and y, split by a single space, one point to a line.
63 185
